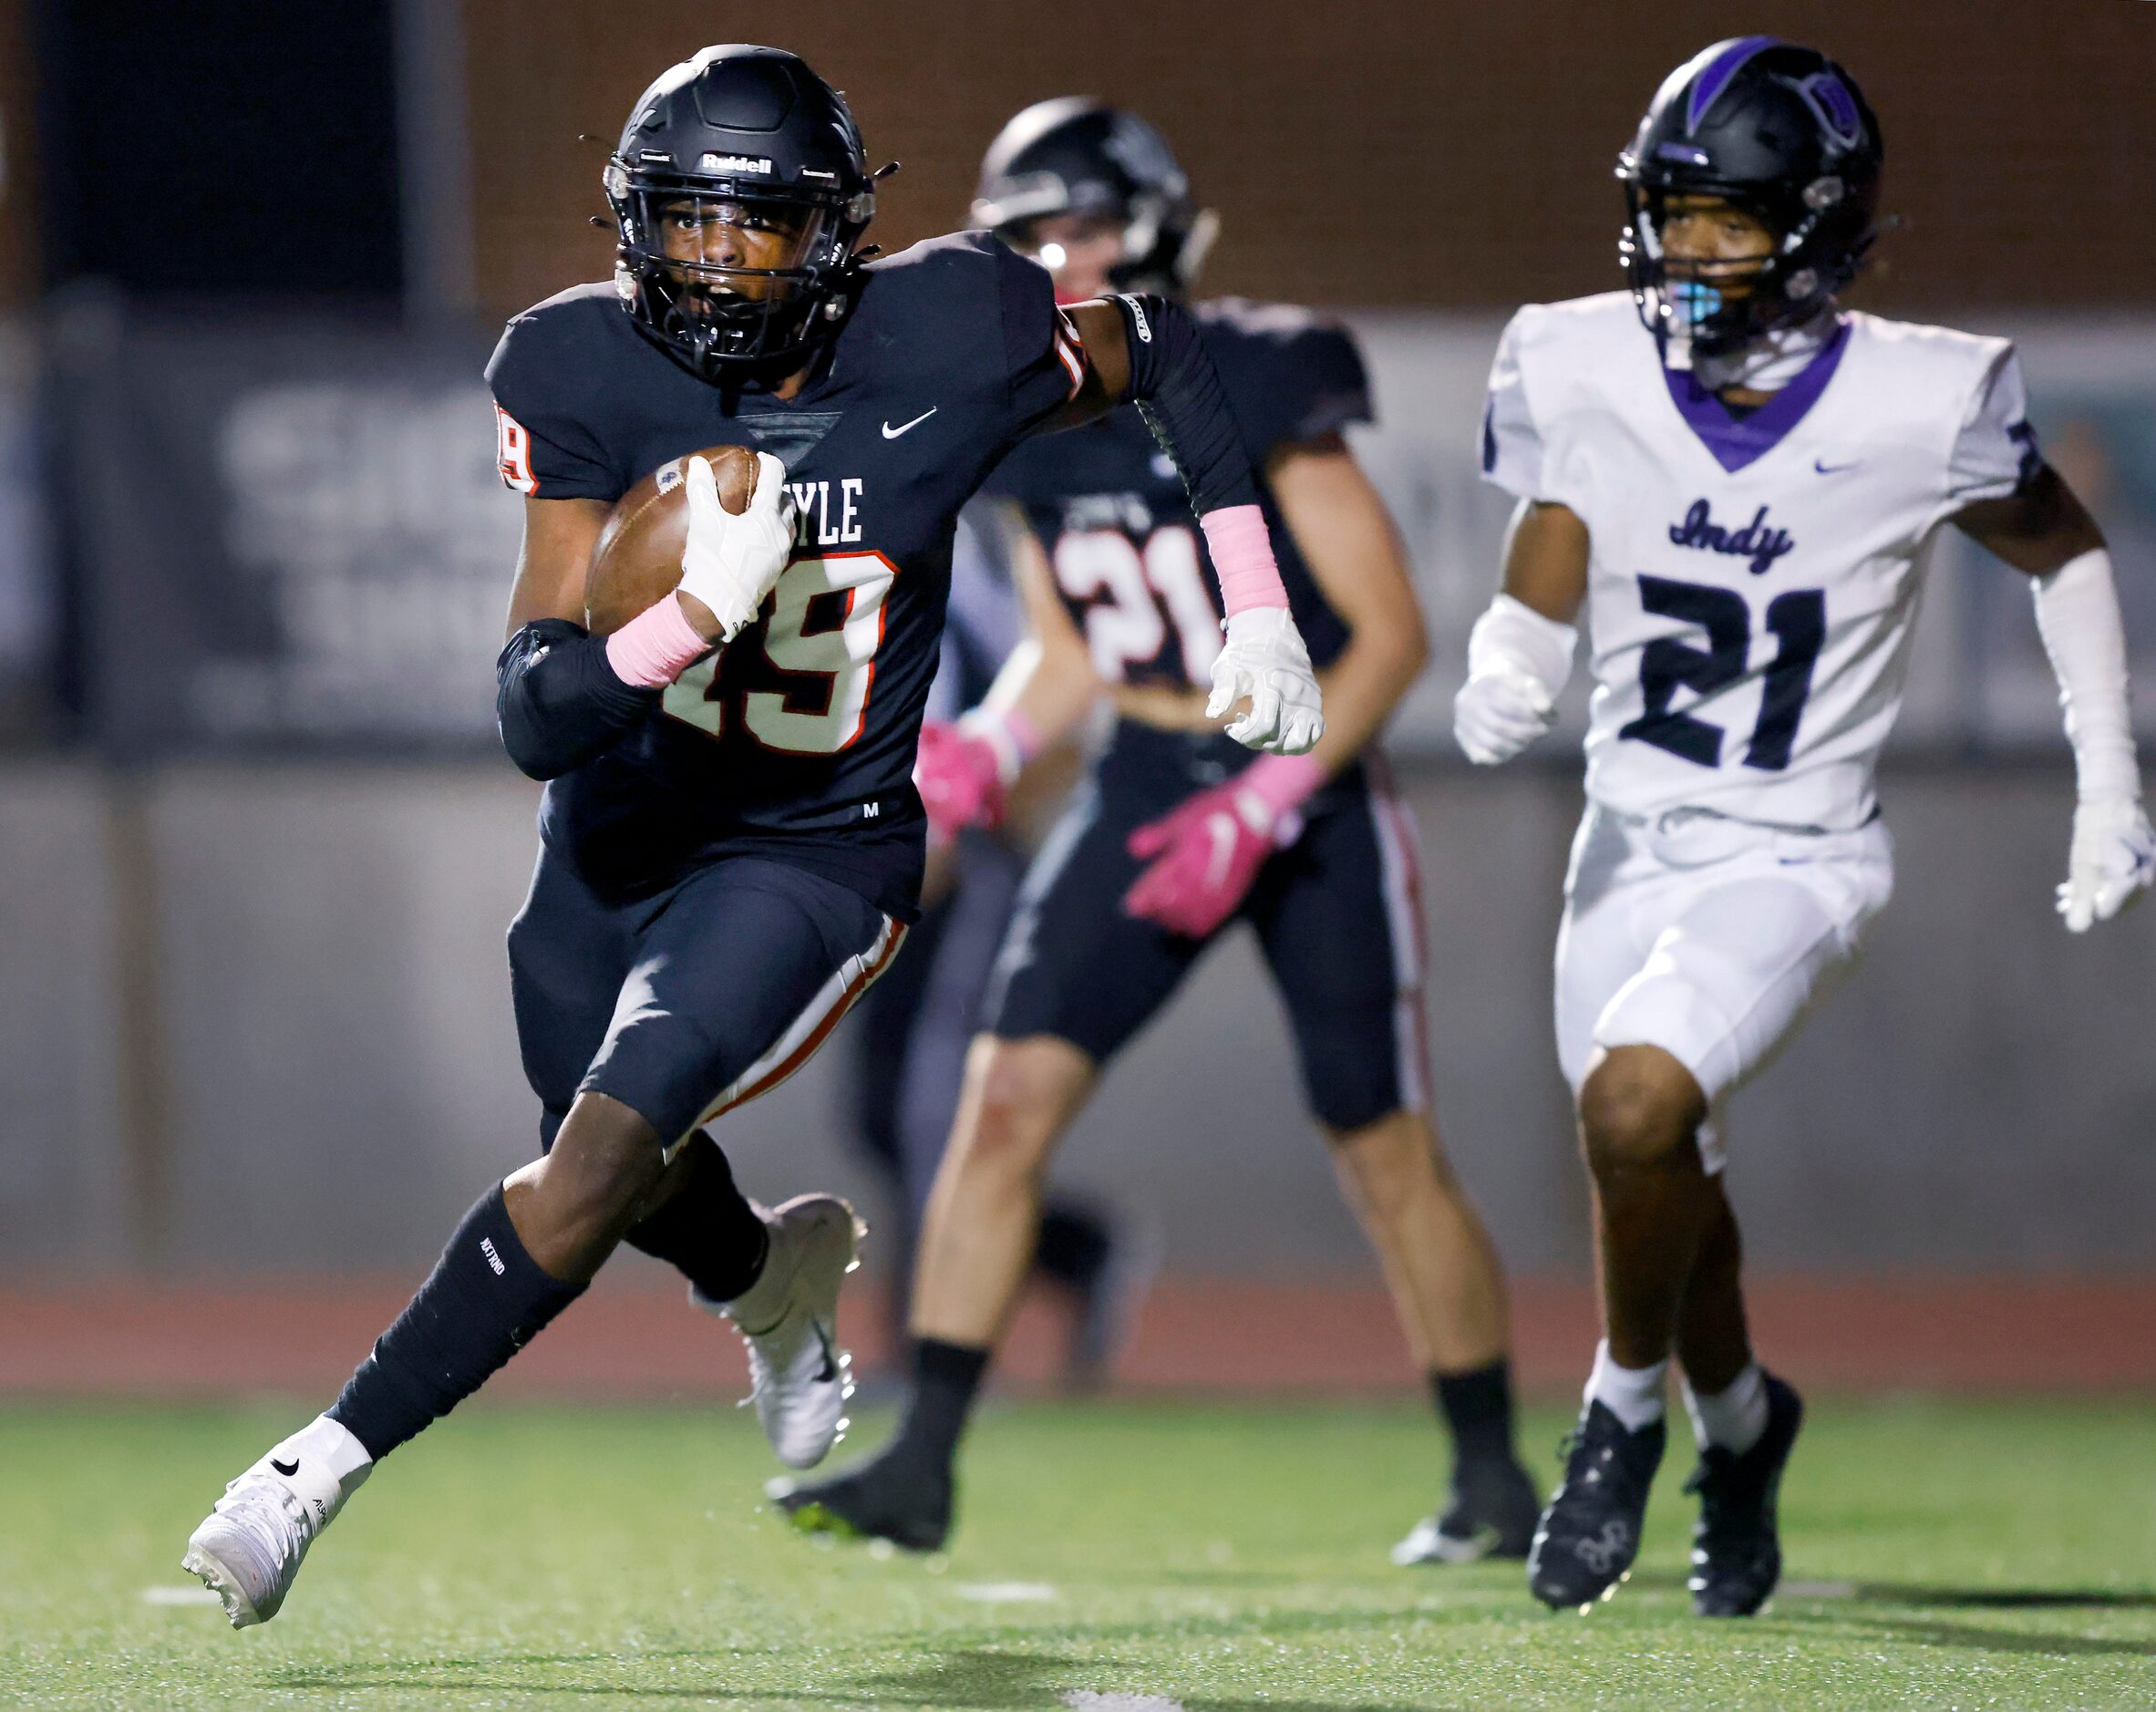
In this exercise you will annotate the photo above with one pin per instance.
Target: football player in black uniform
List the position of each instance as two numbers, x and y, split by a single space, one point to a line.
730 841
1180 835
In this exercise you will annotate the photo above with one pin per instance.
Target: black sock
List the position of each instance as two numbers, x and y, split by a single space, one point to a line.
708 1230
1073 1245
946 1378
485 1299
1477 1405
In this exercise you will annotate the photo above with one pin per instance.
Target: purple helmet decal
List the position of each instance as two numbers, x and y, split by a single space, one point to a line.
1828 97
1725 66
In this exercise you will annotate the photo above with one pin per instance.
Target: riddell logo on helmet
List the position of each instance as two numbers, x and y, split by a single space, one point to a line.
733 163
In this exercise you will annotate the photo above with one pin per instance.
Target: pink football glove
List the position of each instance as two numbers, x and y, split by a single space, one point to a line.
960 777
1205 854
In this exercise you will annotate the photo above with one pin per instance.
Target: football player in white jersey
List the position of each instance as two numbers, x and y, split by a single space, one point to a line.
1742 497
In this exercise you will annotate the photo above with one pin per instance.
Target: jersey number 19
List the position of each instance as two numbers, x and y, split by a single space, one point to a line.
819 639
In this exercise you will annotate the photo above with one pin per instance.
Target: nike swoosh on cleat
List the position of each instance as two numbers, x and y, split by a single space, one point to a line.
1820 464
890 433
286 1469
831 1366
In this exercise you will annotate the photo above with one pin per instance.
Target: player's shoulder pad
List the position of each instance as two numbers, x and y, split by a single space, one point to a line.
1289 368
1285 334
942 299
563 329
959 261
1917 362
1961 393
1574 328
1559 354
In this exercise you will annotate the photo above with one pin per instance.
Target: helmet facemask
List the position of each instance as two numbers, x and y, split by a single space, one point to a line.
1720 305
727 273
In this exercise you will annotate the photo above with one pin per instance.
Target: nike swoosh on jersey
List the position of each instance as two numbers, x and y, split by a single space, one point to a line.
890 433
1825 468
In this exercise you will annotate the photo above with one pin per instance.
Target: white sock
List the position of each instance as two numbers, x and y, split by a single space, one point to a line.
1733 1418
1634 1395
330 1444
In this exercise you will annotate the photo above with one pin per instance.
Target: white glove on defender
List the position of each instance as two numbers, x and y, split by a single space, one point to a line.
1518 661
731 562
2113 854
2110 862
1265 659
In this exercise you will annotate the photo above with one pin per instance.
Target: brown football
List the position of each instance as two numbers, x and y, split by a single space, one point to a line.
637 561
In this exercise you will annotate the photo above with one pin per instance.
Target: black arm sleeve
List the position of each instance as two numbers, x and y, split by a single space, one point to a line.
559 703
1178 392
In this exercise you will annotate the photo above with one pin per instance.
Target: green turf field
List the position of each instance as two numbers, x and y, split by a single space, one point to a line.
1223 1557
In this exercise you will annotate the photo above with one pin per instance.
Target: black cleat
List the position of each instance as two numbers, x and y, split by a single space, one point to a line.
1589 1533
1492 1514
1736 1549
880 1500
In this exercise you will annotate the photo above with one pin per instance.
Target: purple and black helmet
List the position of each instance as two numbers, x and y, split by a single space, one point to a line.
1786 134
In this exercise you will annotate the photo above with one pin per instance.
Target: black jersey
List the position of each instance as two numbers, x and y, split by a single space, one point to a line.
799 737
1127 558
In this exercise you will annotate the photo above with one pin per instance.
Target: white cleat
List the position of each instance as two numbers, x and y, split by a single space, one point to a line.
789 1318
248 1549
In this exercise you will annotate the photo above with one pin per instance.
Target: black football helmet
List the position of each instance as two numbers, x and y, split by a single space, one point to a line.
1075 155
751 138
1781 131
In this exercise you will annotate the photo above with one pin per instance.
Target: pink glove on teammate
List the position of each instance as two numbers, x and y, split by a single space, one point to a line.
963 771
1205 854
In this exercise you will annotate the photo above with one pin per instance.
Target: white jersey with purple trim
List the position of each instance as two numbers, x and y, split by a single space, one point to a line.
1753 581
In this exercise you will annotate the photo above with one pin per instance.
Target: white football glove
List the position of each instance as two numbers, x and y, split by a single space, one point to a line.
1518 661
2110 862
1265 659
731 562
1498 713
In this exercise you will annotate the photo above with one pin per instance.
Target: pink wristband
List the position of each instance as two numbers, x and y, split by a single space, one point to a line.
1242 555
1284 783
655 647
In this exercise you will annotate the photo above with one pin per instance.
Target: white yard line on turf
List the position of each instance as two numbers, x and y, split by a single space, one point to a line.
1007 1593
1086 1700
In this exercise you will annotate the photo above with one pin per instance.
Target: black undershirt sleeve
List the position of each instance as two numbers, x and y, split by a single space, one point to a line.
559 702
1179 393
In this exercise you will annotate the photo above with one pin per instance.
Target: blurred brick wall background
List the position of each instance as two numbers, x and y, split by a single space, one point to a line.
1379 152
18 251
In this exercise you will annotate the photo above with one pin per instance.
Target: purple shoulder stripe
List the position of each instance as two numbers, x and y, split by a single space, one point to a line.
1725 66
